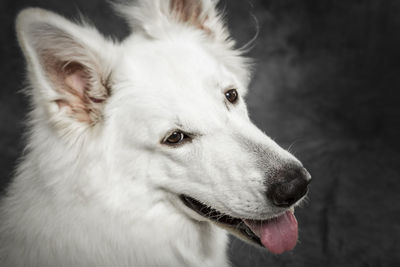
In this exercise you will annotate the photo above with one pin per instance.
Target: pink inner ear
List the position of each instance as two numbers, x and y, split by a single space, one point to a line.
78 82
78 96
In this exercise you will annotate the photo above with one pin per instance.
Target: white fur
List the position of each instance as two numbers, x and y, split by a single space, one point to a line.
106 193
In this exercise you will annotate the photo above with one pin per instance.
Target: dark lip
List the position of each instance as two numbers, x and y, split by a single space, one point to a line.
235 224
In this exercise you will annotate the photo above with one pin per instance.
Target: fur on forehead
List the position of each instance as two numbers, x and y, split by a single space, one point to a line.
189 20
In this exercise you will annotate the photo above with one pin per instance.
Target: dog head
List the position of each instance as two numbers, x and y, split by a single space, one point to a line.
165 109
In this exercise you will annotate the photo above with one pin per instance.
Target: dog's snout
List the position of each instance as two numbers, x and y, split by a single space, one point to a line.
288 186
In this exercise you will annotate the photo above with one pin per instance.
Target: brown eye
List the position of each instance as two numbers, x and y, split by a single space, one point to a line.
175 138
232 95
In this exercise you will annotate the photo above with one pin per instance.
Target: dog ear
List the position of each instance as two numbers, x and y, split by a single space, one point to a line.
156 18
68 67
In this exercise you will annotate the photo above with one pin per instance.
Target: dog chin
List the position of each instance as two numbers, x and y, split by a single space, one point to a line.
278 233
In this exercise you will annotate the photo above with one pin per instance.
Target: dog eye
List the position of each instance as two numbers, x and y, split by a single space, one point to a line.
232 95
175 138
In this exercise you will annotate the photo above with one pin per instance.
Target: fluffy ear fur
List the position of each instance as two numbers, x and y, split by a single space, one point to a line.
68 68
158 18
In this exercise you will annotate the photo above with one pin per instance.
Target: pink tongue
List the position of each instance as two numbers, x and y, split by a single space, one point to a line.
278 234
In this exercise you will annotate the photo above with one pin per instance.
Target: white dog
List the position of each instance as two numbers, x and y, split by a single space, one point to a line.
141 153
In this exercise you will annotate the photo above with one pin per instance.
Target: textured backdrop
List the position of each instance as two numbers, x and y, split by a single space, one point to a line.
327 85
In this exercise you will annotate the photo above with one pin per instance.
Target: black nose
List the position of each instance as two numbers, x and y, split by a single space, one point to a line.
288 186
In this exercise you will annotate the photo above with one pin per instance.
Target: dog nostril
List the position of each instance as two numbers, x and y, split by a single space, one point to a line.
289 187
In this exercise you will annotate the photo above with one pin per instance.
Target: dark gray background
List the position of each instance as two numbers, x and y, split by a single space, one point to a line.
327 83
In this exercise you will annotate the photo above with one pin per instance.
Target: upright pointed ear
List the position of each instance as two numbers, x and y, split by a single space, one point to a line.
69 66
158 17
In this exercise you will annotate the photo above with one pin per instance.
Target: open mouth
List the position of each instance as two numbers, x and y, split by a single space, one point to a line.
277 234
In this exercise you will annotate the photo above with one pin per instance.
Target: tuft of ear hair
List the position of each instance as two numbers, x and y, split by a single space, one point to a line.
68 67
190 12
158 18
